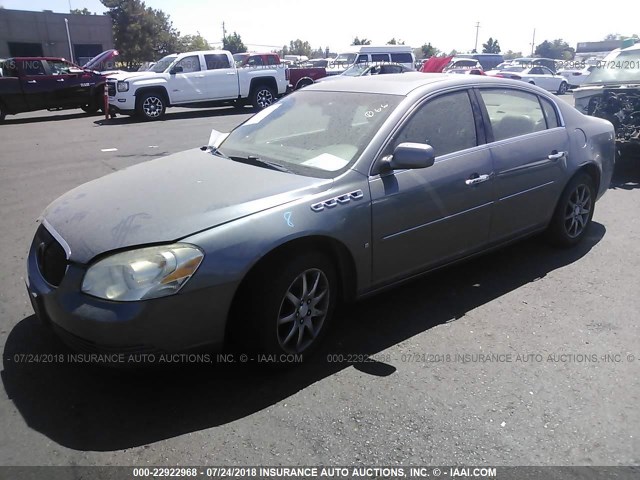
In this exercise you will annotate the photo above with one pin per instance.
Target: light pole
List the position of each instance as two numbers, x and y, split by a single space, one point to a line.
533 41
66 24
475 48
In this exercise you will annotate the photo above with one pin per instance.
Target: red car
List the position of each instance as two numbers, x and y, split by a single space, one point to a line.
47 83
298 76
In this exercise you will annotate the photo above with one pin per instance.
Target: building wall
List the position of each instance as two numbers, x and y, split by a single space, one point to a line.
48 30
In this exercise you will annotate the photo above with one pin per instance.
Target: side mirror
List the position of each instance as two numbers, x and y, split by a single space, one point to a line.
409 156
176 69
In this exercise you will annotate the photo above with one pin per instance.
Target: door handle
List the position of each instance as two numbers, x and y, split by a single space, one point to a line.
32 81
231 73
475 179
556 155
60 80
199 76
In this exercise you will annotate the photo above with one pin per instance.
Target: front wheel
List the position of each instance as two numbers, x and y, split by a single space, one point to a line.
563 88
262 96
290 303
574 212
151 106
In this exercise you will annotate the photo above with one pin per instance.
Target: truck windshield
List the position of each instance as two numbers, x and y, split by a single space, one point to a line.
314 133
164 63
623 68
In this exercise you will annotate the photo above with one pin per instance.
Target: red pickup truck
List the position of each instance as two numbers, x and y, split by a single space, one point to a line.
47 83
298 77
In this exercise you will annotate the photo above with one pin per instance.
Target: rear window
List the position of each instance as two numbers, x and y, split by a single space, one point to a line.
379 57
401 58
32 67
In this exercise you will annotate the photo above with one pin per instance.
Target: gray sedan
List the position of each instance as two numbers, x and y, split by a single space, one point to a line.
331 194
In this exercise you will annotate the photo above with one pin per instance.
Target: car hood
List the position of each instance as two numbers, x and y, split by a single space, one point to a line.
144 75
167 199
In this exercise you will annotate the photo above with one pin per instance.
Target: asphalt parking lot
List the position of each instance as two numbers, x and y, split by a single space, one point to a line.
527 356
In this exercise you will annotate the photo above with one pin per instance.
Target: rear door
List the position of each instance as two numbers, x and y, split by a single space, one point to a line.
528 145
222 77
425 217
38 87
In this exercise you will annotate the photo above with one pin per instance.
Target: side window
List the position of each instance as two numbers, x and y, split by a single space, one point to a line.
272 60
58 67
363 59
536 71
379 57
401 58
549 113
217 61
512 112
32 67
546 71
189 64
255 60
446 123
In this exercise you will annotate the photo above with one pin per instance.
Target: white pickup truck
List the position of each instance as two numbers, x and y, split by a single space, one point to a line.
194 78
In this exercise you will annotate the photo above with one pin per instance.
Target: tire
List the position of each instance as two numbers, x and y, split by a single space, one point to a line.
91 108
532 82
262 96
283 317
303 83
563 88
95 105
574 212
151 106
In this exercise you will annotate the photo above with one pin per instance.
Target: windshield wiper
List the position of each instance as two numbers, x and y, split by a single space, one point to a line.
259 162
214 151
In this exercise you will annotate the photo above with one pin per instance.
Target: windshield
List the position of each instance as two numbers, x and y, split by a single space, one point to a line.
312 133
355 70
623 68
345 59
162 64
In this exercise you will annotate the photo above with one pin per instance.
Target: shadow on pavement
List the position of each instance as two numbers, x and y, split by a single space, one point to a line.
63 115
174 114
85 407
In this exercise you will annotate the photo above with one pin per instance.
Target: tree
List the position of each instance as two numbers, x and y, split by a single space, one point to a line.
363 41
393 41
429 50
298 47
140 32
492 46
191 43
84 11
452 53
510 55
557 49
233 43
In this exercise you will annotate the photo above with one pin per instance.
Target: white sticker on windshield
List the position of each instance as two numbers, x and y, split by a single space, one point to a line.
258 117
326 161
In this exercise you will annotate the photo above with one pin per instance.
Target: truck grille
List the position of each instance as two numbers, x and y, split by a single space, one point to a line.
111 88
51 257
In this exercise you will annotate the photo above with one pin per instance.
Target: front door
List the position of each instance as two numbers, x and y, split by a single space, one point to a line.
425 217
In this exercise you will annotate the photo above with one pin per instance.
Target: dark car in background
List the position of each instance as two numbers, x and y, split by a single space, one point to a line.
348 187
48 83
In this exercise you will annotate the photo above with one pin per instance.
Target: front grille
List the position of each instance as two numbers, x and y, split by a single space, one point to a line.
111 88
51 257
86 346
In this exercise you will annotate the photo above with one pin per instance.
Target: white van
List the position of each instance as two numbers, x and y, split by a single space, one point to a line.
402 54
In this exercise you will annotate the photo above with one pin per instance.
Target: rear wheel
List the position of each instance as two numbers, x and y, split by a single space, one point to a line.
262 96
563 88
574 212
151 106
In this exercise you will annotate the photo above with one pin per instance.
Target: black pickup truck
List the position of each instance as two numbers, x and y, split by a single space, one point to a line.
46 83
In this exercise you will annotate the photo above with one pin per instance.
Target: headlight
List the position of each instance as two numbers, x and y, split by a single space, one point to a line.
144 273
123 86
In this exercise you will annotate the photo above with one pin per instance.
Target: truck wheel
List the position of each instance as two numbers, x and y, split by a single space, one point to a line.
151 106
304 83
262 96
90 108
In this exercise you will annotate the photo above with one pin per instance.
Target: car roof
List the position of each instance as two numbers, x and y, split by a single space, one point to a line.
401 83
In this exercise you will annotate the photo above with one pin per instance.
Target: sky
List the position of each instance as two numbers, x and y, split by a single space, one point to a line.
270 24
